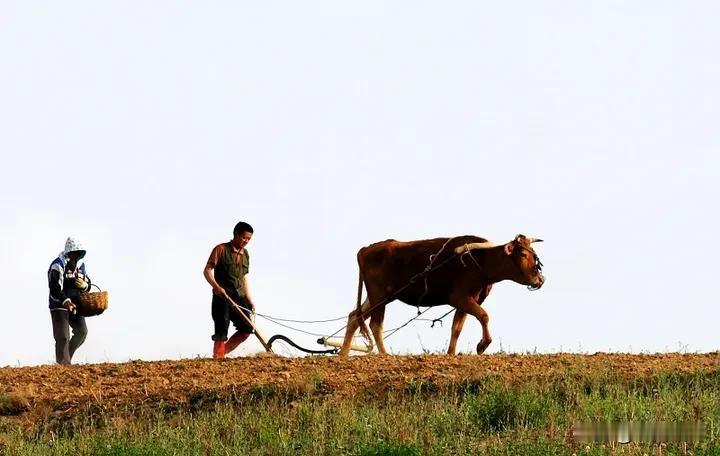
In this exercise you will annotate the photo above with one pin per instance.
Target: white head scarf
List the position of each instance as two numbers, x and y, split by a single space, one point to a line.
73 245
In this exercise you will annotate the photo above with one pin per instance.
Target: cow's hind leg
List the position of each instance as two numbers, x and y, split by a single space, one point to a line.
376 325
352 327
457 325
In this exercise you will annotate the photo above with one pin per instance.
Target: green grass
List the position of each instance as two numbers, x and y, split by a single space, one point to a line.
486 415
12 404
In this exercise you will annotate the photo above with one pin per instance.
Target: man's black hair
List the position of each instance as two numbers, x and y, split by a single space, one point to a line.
242 227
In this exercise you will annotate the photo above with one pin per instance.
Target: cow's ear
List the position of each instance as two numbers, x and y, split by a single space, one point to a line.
509 247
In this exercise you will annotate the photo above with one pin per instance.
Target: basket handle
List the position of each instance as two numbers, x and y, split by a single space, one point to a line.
93 285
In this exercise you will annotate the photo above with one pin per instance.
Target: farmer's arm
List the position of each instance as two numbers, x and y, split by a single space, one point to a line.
209 272
247 293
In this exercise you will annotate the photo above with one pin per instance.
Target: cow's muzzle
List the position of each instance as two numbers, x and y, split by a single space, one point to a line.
538 283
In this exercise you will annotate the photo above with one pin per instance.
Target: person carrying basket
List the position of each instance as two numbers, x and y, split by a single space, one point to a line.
67 278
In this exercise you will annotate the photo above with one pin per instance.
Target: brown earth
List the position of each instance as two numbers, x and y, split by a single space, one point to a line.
57 390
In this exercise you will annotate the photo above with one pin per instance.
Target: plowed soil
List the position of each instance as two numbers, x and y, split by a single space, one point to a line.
52 390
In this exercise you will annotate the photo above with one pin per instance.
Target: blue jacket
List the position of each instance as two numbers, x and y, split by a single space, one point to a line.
62 282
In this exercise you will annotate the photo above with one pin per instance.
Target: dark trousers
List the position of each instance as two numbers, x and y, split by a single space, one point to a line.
223 313
65 346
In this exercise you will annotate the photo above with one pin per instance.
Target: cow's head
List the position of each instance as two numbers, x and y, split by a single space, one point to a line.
519 262
528 268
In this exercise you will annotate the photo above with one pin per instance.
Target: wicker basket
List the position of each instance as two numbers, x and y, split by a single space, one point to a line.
91 304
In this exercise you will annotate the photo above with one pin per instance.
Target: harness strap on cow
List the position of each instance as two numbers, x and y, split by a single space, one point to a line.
536 258
462 255
429 268
468 252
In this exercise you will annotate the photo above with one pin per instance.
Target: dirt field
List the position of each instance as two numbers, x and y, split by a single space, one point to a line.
52 390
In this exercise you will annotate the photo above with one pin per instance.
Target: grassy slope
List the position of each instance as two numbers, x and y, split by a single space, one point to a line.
485 414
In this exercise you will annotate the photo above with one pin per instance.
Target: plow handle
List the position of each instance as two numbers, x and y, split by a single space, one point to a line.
252 325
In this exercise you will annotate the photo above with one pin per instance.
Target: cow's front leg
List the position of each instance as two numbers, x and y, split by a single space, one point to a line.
457 326
483 318
469 304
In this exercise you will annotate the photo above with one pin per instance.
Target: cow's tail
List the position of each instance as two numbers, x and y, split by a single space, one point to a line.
359 313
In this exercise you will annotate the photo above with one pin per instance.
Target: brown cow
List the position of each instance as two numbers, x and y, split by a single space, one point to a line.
459 271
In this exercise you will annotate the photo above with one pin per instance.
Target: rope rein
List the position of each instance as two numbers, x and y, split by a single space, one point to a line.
270 317
387 331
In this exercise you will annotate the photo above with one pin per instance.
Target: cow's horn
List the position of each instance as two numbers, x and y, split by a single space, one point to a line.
535 240
474 246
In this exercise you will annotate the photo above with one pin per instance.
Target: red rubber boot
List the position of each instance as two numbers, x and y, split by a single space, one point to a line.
235 340
219 349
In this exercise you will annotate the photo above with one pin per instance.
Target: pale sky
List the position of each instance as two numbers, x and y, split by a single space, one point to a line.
148 129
